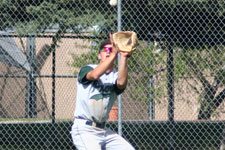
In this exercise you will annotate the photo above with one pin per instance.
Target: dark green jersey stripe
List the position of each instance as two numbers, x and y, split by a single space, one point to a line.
82 74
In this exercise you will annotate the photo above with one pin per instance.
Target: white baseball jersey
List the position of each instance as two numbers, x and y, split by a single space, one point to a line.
95 98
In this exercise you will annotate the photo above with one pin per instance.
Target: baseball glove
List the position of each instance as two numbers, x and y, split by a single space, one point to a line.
125 40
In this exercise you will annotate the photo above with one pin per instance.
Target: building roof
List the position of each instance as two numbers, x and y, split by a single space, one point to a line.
10 53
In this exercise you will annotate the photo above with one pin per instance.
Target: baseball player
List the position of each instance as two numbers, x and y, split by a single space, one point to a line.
97 89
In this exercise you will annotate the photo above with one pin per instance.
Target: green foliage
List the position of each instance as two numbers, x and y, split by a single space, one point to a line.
146 65
46 15
84 59
208 60
7 10
212 5
35 17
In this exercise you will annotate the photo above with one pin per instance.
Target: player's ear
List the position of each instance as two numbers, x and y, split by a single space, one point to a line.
99 56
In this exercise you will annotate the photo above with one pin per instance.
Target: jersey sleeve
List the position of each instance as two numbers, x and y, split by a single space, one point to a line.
82 75
117 90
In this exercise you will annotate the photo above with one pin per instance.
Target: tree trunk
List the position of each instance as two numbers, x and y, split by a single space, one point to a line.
210 104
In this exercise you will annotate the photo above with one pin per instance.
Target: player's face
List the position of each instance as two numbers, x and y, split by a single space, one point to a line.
105 52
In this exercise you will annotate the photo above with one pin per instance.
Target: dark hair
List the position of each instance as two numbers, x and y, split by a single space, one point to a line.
103 44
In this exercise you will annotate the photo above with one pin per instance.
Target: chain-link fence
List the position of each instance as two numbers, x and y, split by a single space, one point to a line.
175 98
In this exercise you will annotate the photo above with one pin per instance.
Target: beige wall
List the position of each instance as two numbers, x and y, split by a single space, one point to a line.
65 92
186 106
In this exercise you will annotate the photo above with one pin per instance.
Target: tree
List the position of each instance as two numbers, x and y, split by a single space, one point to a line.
35 17
196 28
203 64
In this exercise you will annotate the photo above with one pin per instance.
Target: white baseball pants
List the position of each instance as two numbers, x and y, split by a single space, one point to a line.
86 137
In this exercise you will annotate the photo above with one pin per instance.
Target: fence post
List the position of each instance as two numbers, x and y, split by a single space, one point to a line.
53 83
151 99
151 102
120 97
222 146
170 67
31 100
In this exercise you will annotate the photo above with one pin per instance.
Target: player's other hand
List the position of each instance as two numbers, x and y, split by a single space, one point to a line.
125 54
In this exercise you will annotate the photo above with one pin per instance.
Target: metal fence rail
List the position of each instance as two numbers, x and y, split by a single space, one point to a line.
175 98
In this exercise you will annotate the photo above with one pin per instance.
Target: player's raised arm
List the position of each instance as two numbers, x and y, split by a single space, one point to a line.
123 70
125 42
107 56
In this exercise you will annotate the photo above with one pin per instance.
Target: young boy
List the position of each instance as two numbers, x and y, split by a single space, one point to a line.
97 89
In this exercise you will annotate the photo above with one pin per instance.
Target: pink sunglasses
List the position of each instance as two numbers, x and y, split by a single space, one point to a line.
107 49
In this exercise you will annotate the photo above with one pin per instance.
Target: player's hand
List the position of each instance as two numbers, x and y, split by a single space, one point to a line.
114 46
125 54
115 49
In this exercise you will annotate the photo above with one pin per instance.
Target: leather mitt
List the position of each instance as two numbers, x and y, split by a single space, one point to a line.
125 40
